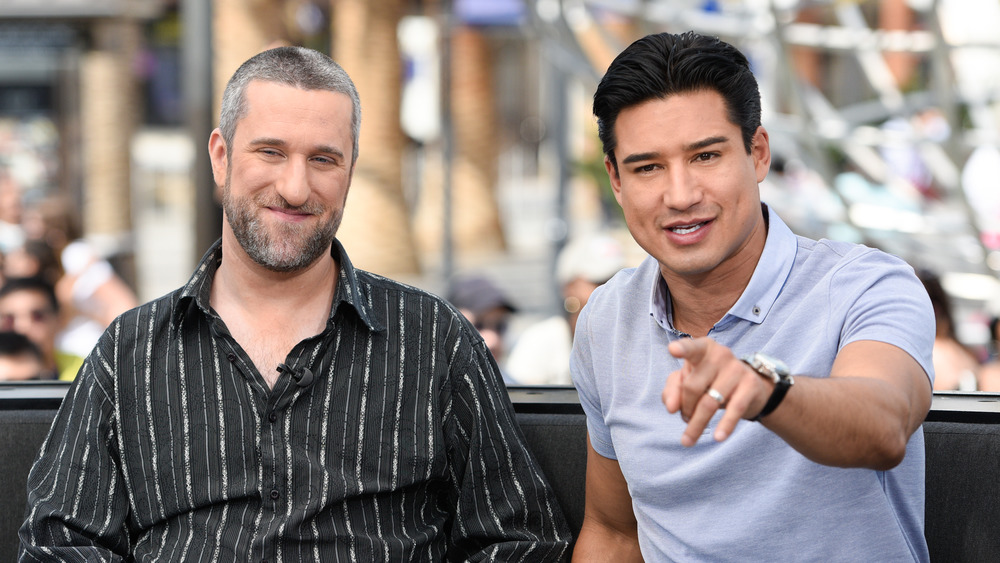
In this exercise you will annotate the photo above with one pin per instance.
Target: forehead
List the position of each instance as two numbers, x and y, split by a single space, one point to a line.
679 118
279 107
23 298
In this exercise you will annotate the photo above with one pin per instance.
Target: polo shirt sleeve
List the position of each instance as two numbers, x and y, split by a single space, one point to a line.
77 505
581 366
885 302
504 509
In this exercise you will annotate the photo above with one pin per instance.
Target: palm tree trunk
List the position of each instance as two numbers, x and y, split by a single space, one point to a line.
376 228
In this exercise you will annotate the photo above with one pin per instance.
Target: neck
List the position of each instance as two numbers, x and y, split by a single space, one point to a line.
243 287
699 301
695 310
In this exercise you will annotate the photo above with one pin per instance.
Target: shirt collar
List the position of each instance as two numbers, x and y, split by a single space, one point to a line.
197 291
765 284
772 270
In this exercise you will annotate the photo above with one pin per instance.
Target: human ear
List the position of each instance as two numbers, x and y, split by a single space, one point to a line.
219 156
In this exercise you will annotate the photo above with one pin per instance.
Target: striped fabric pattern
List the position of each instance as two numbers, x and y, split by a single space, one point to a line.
170 446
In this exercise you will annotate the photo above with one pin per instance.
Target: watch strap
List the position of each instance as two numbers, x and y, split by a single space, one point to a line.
780 389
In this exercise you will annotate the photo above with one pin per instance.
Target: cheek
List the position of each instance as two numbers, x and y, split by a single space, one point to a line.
246 178
637 202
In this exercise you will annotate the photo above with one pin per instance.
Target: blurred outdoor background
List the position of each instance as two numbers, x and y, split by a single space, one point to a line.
479 153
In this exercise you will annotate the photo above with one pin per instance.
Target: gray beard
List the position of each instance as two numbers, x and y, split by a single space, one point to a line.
289 249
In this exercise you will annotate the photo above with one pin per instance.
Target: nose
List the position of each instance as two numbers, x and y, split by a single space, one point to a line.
293 183
683 190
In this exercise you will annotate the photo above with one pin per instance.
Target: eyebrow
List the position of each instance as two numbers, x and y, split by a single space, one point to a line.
706 143
638 157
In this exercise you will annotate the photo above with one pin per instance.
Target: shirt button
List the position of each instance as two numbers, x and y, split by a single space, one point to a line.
275 495
231 357
273 417
756 311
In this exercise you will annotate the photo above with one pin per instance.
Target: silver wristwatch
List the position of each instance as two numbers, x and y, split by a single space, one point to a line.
776 371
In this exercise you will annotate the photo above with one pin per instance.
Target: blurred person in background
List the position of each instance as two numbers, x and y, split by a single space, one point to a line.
989 373
11 232
29 306
488 309
34 258
955 366
20 358
91 294
94 295
541 354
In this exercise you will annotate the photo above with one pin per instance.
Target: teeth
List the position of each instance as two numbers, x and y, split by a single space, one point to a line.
687 229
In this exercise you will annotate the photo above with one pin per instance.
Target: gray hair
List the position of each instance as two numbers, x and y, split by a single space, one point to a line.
293 66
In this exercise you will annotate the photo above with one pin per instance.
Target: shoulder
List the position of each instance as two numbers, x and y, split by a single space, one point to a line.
630 285
844 253
850 267
150 319
402 312
380 292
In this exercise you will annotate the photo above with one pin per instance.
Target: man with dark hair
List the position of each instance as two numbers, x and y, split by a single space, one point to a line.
751 395
30 307
283 405
20 358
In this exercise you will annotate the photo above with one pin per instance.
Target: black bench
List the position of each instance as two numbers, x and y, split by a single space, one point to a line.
962 436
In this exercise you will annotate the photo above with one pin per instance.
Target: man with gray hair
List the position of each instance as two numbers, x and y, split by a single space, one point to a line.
283 405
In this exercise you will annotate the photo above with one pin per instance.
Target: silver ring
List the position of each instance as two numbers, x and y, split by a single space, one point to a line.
716 395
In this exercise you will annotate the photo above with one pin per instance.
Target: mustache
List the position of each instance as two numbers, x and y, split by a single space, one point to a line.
278 202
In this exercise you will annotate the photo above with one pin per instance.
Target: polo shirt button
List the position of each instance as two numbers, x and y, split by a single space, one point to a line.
275 495
273 416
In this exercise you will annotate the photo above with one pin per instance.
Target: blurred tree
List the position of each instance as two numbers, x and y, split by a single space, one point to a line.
477 226
376 228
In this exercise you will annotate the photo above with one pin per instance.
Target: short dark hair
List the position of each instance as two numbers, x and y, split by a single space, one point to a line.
13 344
37 284
663 64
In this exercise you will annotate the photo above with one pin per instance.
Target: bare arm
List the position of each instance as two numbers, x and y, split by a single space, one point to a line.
609 531
877 395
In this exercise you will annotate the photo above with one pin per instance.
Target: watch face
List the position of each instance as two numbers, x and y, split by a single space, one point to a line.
772 364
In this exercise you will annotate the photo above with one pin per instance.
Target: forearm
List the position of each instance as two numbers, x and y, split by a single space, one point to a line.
846 421
598 544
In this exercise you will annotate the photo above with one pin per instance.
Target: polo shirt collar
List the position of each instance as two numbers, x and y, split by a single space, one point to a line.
772 271
765 284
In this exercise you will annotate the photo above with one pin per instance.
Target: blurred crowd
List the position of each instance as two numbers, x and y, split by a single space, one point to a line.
57 294
537 352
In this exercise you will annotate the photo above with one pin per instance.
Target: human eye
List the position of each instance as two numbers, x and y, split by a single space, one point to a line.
645 169
325 160
705 156
270 152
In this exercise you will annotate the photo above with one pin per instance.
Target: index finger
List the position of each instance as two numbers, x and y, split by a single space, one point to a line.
690 349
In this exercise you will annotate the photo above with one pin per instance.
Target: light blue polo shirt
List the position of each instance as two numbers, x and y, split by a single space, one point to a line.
752 497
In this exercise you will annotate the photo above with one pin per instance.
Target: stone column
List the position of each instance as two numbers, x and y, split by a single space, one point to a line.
109 113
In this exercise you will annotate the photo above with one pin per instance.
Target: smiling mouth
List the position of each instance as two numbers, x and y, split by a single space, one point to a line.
686 229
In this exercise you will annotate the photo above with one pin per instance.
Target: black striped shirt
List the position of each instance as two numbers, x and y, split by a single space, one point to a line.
170 446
